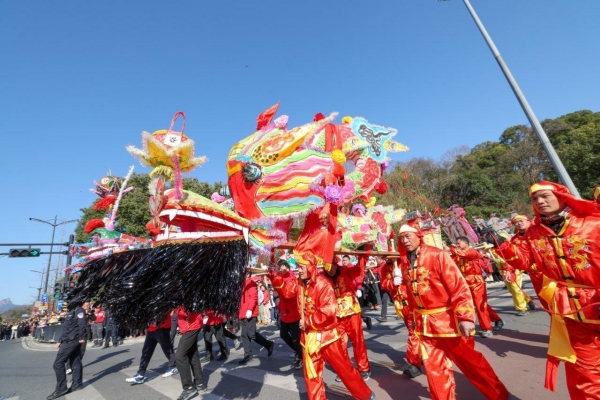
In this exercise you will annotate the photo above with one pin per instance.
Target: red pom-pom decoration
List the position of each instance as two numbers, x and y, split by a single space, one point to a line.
93 224
318 117
338 171
382 188
153 229
104 203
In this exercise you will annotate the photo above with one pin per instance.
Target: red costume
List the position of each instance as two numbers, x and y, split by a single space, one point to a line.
346 281
321 339
187 321
286 286
468 263
440 298
566 251
399 295
249 298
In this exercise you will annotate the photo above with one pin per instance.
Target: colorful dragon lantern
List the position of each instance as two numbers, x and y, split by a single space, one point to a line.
371 225
276 175
456 225
199 251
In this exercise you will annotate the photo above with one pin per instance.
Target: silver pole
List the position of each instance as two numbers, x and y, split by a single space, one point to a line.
562 173
50 256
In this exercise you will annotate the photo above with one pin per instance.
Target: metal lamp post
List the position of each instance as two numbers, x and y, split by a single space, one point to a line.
53 225
535 124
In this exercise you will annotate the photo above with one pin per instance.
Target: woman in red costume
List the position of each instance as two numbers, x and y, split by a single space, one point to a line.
564 244
444 319
320 337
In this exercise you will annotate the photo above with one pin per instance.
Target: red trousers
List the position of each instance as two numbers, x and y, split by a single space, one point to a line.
583 377
485 314
336 355
412 342
352 327
439 353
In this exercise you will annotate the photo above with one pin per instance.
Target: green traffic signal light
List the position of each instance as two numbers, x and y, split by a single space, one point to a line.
24 253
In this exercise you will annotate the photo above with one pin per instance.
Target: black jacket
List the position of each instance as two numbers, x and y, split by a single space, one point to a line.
74 326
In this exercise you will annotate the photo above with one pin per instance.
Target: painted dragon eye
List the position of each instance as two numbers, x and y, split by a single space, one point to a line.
251 172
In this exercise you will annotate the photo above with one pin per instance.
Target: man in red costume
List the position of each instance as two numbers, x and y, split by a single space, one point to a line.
444 319
391 282
564 244
186 357
467 260
347 281
521 224
285 284
320 337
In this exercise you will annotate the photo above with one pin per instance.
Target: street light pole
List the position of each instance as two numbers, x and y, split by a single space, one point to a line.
562 173
53 225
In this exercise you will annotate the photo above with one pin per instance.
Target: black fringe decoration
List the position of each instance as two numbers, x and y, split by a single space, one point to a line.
143 286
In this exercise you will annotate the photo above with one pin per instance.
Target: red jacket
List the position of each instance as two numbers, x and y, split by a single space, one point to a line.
467 261
249 299
213 319
166 324
188 322
287 288
99 317
266 297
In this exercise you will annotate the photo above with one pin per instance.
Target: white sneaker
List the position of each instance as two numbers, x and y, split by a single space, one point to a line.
136 379
170 372
69 371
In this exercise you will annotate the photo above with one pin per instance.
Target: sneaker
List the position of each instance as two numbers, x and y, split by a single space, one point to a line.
486 334
170 372
365 375
369 323
137 379
522 313
188 393
412 371
382 319
245 360
531 305
69 371
498 325
298 364
270 349
373 397
236 343
201 388
337 378
207 358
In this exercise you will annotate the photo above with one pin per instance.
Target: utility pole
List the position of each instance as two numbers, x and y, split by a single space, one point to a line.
562 173
39 289
53 225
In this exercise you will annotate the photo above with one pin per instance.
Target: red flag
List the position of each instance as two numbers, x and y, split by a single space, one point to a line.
405 175
265 118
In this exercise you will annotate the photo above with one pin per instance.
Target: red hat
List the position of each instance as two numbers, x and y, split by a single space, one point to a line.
579 206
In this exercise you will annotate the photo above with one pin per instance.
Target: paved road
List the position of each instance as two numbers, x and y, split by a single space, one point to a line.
517 355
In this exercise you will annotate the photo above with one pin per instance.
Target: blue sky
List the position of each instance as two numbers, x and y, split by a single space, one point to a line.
79 81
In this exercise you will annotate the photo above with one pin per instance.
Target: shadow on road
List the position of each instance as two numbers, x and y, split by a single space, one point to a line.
110 370
106 356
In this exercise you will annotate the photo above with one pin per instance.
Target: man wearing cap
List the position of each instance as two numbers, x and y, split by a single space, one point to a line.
467 260
286 285
320 336
391 282
521 224
444 319
347 283
564 245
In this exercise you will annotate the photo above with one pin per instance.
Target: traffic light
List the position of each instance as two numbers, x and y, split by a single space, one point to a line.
58 289
24 252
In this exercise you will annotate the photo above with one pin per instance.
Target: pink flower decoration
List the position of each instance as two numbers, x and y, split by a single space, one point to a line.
217 198
333 194
281 122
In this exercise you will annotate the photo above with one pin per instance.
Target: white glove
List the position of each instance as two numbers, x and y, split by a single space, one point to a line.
397 272
205 319
359 293
397 281
248 314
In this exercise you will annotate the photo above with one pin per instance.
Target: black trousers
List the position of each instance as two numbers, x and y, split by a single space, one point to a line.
385 297
82 346
187 359
249 333
111 332
218 331
68 351
228 334
173 328
290 333
160 336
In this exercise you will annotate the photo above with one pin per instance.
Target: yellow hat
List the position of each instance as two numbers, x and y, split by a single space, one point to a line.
407 228
536 186
596 192
517 217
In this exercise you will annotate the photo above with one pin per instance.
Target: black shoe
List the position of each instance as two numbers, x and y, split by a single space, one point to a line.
365 375
369 323
75 388
223 357
498 325
201 388
270 349
246 360
412 371
115 345
382 319
188 393
531 305
57 394
207 358
105 347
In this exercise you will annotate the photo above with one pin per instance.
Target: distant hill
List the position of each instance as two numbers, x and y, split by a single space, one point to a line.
6 305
